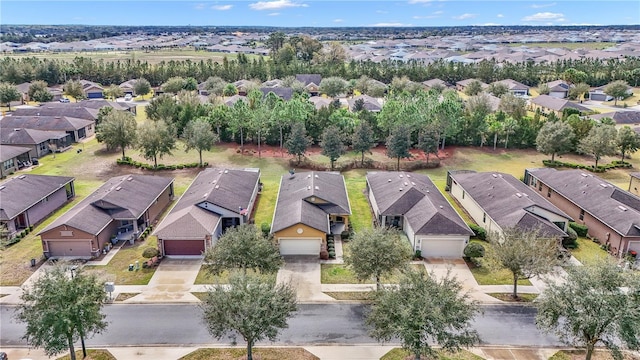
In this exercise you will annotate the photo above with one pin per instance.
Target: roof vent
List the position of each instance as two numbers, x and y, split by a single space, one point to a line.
217 186
583 174
316 176
494 175
22 176
400 189
412 183
308 176
519 195
1 187
226 171
400 176
130 178
389 180
214 181
441 207
406 183
408 175
603 185
622 208
427 191
317 188
118 188
309 187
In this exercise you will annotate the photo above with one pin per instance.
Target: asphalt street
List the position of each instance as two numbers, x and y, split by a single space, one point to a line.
313 324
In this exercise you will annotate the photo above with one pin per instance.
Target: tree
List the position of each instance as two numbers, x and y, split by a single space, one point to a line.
399 144
424 309
298 141
243 248
199 135
113 92
229 90
190 84
117 130
618 90
510 126
628 141
474 88
156 139
498 89
524 252
8 93
275 41
600 142
215 85
574 76
59 307
252 306
581 127
362 140
514 106
239 120
494 126
555 138
578 91
39 91
428 141
597 304
377 252
164 107
332 145
174 85
141 87
544 89
74 89
333 86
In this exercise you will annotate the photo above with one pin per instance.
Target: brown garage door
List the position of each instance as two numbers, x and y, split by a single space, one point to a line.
183 247
69 248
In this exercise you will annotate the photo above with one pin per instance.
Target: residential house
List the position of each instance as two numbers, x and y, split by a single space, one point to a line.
319 102
310 206
462 84
284 93
11 158
38 141
497 201
77 128
128 87
548 104
368 103
634 183
59 109
611 214
598 93
119 210
311 82
98 104
412 203
558 89
28 199
216 200
433 82
272 83
621 118
232 100
92 90
514 87
243 86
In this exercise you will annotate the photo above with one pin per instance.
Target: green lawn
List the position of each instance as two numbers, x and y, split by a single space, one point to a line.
588 251
279 353
485 275
401 354
92 354
360 212
118 268
508 297
352 295
341 274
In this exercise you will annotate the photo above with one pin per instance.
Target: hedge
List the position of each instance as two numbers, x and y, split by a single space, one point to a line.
309 164
600 169
479 231
580 229
140 165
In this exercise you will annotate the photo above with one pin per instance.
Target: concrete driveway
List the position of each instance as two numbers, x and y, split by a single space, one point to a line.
171 282
303 273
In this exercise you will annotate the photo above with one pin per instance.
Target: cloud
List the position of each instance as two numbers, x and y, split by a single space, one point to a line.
221 7
540 6
544 16
434 15
338 20
382 11
389 24
274 5
490 24
465 16
273 14
500 16
199 6
419 1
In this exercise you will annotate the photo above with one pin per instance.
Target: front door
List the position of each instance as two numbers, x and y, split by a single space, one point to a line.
21 221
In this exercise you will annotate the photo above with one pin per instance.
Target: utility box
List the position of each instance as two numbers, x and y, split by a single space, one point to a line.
109 287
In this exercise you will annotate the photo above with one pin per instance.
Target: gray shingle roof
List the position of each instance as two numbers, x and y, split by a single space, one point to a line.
512 84
556 104
370 103
285 93
124 197
22 192
619 209
425 208
59 109
307 79
8 152
46 123
294 200
558 85
433 82
620 117
20 136
505 199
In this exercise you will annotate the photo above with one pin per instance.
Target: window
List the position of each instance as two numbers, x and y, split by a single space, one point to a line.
559 224
581 214
463 194
484 217
549 193
7 164
45 200
540 186
534 181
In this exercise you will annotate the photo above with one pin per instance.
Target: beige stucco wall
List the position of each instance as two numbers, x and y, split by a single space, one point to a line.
307 232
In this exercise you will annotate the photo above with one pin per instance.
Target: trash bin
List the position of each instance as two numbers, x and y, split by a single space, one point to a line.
33 262
130 267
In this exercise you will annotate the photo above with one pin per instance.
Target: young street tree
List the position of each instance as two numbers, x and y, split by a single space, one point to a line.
628 141
38 91
298 141
74 89
376 252
597 304
198 135
332 145
252 306
243 248
498 89
618 89
141 87
600 142
113 92
578 91
524 252
60 307
399 144
362 140
117 130
555 138
156 139
8 93
424 309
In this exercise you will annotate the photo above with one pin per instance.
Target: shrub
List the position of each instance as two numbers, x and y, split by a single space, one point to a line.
417 254
332 254
149 252
581 230
474 250
479 231
570 242
345 235
266 229
324 254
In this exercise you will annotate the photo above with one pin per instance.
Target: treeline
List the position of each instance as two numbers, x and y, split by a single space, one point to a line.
309 60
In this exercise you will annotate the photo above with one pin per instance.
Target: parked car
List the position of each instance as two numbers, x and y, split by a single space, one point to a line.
64 100
128 97
3 356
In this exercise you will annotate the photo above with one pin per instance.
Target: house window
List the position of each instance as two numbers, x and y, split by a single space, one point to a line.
581 214
534 182
540 186
7 164
484 217
549 192
559 224
463 194
45 200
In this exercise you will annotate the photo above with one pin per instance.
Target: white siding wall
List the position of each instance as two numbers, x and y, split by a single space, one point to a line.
476 212
410 233
222 212
549 215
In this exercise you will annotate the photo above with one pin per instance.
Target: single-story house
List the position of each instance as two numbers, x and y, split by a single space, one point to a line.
630 118
216 200
28 199
368 103
311 82
548 104
274 83
119 210
284 93
59 109
127 87
515 87
462 84
433 82
232 100
243 86
598 93
319 102
92 90
497 201
634 183
98 104
558 89
77 128
310 206
412 203
37 141
611 214
11 157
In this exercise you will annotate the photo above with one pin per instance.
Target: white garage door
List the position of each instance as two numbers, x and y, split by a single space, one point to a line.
69 248
300 246
635 246
450 248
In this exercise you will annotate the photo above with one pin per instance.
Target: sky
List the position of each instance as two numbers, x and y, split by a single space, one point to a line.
321 13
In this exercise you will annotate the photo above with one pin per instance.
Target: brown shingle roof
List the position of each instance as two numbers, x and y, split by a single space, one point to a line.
22 192
552 103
